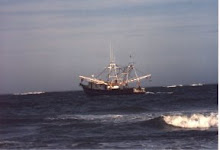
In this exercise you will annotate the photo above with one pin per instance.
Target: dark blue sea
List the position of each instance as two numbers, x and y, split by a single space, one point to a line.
175 117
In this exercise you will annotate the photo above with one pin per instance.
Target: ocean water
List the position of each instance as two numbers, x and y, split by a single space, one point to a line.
174 117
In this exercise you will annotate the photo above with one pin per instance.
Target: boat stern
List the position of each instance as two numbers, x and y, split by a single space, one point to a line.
139 90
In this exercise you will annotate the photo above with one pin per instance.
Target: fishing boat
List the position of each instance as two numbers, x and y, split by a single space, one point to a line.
117 80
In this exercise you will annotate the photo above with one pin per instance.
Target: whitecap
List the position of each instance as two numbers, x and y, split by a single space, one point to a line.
107 118
199 121
148 92
171 86
197 84
29 93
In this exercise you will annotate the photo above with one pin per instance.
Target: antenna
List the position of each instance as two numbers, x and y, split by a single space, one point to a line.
131 59
112 58
110 52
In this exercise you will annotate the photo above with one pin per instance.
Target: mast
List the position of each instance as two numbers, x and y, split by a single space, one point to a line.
113 73
112 57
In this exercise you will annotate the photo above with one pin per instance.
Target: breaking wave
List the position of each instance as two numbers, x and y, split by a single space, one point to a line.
29 93
180 85
171 86
148 92
195 84
100 118
152 93
114 118
194 121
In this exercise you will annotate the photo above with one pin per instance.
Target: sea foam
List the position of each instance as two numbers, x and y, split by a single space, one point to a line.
114 118
195 84
193 121
29 93
171 86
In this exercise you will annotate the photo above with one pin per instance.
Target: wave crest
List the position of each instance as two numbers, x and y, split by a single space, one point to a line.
195 84
159 121
114 118
194 121
171 86
29 93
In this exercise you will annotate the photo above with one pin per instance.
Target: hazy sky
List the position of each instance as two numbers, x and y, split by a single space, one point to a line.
46 44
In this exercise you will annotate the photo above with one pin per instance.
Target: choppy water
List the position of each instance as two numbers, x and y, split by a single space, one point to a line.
175 117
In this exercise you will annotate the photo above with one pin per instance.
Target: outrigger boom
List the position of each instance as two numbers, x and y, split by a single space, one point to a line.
93 80
139 78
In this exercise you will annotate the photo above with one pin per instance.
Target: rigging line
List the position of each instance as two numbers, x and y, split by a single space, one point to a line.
139 71
129 73
101 72
136 75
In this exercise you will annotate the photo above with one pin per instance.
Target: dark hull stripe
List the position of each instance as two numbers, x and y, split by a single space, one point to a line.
94 92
